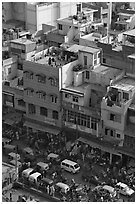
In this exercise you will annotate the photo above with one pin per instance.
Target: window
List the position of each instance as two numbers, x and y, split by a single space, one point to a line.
81 119
112 117
53 99
87 74
53 81
90 102
55 115
105 15
85 60
9 71
105 24
104 60
106 131
29 92
66 95
75 99
41 79
111 133
43 111
60 27
31 109
125 96
41 95
95 59
118 135
78 7
29 75
21 102
93 125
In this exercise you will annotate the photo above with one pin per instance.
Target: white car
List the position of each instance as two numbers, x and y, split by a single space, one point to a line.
124 189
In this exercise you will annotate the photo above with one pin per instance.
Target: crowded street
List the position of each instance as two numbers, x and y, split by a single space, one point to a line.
85 185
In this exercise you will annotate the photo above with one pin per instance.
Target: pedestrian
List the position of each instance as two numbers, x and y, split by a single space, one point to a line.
53 191
48 189
10 196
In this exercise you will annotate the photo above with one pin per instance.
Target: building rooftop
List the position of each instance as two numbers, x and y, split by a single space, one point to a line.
125 84
130 32
79 19
23 41
75 48
80 89
102 69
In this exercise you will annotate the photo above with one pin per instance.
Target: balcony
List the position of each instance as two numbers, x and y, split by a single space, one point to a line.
117 107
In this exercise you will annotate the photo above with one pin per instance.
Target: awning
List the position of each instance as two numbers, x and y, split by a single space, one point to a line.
80 94
42 128
98 145
126 151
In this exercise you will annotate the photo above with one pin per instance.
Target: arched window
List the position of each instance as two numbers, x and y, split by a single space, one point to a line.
53 81
41 94
28 74
41 78
53 98
29 91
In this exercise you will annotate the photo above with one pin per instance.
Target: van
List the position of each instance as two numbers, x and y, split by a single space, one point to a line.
16 163
41 166
62 187
27 172
110 189
35 178
13 156
70 166
9 148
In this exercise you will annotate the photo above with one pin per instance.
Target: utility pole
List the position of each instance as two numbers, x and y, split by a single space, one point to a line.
109 20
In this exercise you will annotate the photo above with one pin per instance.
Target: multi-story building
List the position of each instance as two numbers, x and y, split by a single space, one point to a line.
71 28
128 148
120 54
41 90
23 49
115 111
125 20
34 14
82 87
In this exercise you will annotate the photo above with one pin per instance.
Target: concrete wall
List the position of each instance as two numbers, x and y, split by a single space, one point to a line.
110 123
67 74
89 58
18 10
31 21
118 59
11 64
48 71
78 78
7 10
67 9
70 100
